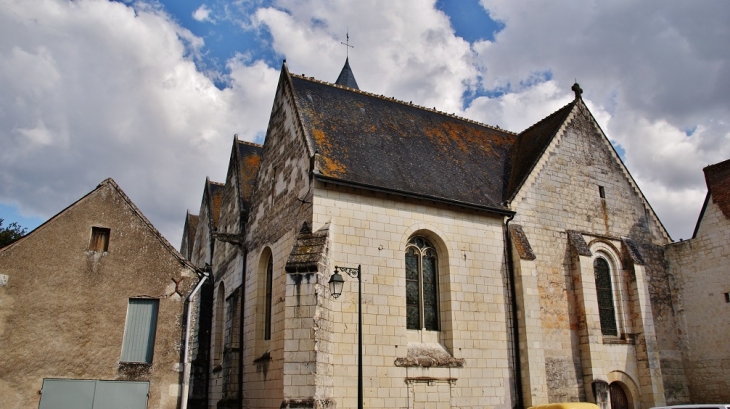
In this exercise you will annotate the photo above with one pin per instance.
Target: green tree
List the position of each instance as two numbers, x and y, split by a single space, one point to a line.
11 233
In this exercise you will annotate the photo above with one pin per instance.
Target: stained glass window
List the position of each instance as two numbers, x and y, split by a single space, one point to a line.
421 285
604 292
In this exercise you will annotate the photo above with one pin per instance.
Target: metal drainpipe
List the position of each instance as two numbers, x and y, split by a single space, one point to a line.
515 326
186 363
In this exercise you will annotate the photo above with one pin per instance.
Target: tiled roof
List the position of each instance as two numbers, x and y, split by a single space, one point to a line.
717 177
372 141
532 143
249 158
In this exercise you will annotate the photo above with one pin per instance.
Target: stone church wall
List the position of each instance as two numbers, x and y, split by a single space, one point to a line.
227 269
467 364
564 194
702 284
280 205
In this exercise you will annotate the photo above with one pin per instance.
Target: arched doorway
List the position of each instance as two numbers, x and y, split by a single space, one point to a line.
619 400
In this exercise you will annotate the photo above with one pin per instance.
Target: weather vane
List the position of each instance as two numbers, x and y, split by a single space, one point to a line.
347 44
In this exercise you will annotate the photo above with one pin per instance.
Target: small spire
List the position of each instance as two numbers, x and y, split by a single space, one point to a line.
578 91
347 78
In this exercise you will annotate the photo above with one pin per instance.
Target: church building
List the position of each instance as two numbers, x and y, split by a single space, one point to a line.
489 269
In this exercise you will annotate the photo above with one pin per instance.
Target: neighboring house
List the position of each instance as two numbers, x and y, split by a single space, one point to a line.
701 271
499 269
92 310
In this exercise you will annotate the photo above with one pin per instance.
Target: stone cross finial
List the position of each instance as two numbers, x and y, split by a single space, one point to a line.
578 91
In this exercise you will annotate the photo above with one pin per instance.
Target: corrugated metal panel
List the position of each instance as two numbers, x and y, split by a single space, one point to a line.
139 333
92 394
121 395
67 394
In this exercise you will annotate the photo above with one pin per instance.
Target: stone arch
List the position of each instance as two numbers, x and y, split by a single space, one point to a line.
265 257
606 250
629 387
444 251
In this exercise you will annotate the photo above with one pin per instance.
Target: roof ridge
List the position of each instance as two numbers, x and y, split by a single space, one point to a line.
109 182
216 183
250 143
410 104
548 116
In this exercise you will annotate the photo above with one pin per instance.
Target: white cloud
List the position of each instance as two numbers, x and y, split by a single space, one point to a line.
96 89
202 13
92 89
404 49
655 68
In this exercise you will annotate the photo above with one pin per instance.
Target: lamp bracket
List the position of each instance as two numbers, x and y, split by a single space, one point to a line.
353 272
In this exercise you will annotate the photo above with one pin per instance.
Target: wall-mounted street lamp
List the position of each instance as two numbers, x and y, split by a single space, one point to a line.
336 282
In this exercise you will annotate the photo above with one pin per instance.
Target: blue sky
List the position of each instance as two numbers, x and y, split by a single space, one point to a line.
151 93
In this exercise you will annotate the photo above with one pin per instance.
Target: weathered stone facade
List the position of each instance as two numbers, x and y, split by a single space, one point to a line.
542 267
700 286
563 195
64 305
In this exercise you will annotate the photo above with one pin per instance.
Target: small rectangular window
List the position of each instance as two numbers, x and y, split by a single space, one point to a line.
140 329
99 239
727 297
602 192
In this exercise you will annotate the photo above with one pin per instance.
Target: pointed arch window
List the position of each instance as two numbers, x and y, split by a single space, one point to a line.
421 285
604 290
269 288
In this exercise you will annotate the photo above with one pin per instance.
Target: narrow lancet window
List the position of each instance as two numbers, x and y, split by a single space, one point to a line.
421 285
604 291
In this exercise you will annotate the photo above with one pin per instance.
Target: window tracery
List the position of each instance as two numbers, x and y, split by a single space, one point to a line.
421 285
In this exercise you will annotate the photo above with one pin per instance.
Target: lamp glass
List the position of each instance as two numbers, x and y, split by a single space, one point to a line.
336 282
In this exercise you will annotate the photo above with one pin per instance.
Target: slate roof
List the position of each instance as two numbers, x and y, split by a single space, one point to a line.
308 250
346 77
717 177
375 142
191 226
216 198
532 143
249 159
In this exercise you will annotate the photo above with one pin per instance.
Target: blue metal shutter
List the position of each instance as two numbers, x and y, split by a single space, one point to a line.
139 333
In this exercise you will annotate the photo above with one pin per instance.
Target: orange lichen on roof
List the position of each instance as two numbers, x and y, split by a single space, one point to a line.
328 165
249 167
216 190
456 134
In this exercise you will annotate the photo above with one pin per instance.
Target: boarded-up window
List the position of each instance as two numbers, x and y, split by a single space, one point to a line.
99 239
139 333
